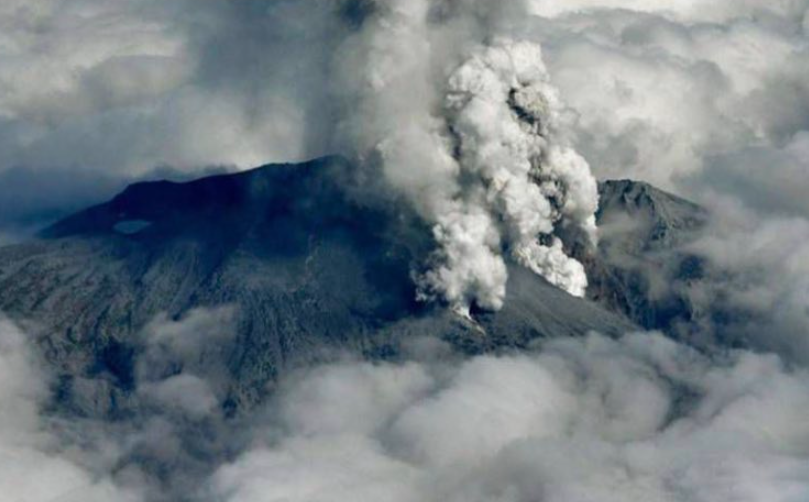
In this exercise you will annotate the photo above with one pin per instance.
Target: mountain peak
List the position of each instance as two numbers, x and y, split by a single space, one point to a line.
167 203
657 218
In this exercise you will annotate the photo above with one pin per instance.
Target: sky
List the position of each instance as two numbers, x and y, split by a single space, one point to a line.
707 99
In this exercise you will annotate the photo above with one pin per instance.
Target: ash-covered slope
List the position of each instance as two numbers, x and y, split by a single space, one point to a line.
307 269
643 267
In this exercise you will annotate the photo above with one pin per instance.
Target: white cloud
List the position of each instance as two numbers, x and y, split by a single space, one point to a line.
35 466
124 86
662 87
640 418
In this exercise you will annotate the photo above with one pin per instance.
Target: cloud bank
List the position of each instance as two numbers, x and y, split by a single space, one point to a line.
636 418
641 418
667 90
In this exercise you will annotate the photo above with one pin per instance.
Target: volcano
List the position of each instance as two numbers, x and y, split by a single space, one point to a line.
309 271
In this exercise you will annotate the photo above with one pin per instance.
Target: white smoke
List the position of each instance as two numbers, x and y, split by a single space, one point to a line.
465 125
503 109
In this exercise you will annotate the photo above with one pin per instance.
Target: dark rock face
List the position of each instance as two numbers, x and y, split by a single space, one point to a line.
642 267
309 271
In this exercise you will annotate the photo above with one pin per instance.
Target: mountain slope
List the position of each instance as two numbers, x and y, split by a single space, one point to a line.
643 268
308 270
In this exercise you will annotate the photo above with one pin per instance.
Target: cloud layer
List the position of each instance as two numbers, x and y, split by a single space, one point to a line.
637 418
640 418
661 89
665 90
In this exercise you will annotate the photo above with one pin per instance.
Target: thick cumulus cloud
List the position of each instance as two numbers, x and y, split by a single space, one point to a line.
129 85
660 88
667 90
640 418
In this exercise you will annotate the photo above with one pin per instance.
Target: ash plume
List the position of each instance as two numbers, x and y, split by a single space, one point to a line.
462 122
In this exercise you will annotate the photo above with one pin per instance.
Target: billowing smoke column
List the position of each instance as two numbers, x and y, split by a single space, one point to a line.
464 124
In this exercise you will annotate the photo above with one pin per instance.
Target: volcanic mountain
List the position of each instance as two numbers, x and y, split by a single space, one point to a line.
308 271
